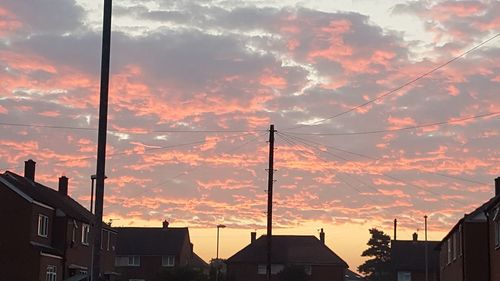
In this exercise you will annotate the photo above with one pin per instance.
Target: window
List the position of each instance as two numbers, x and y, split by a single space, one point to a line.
460 235
128 261
448 242
136 280
168 261
43 225
261 269
454 239
308 269
85 234
109 238
73 233
51 273
404 276
275 268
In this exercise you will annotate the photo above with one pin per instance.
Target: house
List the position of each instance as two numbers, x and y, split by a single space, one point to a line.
142 253
493 217
45 233
465 250
318 261
408 260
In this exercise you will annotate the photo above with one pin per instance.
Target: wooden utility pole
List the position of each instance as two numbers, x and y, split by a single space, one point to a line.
101 141
270 182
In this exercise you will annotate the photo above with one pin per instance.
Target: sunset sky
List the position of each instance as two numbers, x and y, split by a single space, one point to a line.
195 85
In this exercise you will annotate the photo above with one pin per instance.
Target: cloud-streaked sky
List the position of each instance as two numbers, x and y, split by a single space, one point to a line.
195 85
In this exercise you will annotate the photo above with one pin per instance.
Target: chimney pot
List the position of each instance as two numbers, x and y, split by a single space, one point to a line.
165 224
415 237
322 236
29 169
63 185
253 236
497 186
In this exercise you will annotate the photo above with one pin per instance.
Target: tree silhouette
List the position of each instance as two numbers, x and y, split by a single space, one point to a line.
378 267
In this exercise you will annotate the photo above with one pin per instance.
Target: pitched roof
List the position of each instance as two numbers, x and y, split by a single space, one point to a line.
410 255
198 262
288 249
478 215
150 240
46 195
351 275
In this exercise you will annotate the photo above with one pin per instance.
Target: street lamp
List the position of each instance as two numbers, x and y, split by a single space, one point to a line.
217 256
218 227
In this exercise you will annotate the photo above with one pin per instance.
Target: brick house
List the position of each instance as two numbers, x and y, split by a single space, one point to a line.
142 253
46 234
408 260
493 217
318 261
465 250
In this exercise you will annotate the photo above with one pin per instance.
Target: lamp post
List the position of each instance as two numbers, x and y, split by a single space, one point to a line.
426 252
219 226
92 178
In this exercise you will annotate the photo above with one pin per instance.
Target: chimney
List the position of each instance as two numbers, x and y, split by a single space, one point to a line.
253 236
63 185
165 224
29 169
415 237
322 236
497 186
395 228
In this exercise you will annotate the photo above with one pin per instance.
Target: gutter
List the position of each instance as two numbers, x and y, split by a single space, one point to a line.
489 243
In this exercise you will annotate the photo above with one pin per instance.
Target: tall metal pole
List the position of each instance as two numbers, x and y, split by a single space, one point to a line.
101 141
270 201
217 255
426 252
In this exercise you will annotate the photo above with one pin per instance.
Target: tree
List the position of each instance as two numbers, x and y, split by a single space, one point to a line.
378 267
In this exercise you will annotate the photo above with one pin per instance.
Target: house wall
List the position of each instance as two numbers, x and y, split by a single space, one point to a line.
148 270
36 211
18 260
44 263
327 273
476 251
248 272
76 252
452 271
494 251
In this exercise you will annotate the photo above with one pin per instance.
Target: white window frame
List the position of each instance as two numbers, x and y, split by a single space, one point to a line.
43 225
85 234
51 274
168 261
275 269
128 261
261 269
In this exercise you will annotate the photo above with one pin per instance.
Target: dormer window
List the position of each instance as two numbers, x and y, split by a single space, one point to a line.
43 225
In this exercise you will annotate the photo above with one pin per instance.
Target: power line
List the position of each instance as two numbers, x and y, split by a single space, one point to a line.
129 131
402 86
399 129
197 167
393 178
380 159
146 150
